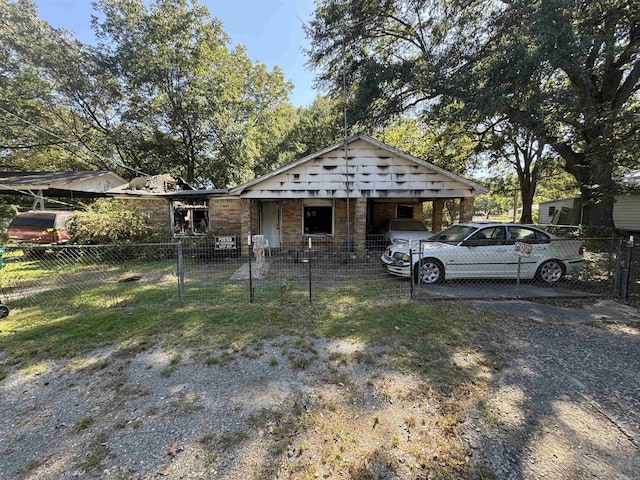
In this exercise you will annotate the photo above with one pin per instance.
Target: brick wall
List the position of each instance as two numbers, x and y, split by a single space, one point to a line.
157 209
436 217
225 215
340 217
384 210
466 209
291 217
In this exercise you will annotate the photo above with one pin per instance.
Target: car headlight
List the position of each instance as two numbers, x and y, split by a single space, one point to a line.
406 257
399 240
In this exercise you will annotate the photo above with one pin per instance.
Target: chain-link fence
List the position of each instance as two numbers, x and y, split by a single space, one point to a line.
296 269
496 269
633 278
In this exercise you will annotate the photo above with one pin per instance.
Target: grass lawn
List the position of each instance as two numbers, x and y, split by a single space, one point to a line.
395 335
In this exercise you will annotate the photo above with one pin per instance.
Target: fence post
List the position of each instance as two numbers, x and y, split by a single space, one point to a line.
625 269
309 261
181 295
411 270
251 297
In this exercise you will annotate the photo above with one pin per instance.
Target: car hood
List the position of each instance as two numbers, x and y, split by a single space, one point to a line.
414 245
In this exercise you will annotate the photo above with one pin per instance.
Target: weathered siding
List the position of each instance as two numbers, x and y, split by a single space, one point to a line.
373 172
626 213
99 183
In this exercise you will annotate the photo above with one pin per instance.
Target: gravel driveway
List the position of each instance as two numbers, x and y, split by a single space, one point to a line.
568 404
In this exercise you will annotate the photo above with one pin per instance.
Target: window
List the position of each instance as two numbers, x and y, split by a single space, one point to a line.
552 210
404 211
190 216
487 237
527 235
317 218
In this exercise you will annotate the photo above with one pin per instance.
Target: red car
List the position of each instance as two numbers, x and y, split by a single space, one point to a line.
40 226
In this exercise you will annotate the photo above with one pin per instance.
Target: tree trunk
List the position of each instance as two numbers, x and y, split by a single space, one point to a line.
597 190
527 194
596 211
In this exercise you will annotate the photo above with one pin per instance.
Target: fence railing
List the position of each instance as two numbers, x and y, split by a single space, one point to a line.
314 269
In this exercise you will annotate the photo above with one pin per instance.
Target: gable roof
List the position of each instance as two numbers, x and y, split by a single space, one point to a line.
369 161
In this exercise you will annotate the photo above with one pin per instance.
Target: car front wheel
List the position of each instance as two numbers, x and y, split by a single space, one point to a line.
429 271
551 271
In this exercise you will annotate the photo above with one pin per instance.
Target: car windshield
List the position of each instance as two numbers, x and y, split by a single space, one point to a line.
454 233
407 226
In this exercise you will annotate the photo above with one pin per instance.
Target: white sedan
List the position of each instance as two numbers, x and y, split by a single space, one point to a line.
485 250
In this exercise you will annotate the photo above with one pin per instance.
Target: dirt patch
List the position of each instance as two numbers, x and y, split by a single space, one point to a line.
533 400
264 413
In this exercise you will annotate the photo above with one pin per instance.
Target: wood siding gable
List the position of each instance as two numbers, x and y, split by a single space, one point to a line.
373 170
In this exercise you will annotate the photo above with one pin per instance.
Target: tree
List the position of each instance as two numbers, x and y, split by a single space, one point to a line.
520 151
311 129
566 70
186 103
36 131
451 146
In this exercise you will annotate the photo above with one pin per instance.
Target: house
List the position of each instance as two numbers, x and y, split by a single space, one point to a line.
345 192
568 211
335 196
65 185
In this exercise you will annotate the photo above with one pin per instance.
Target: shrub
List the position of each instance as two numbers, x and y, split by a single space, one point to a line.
108 221
7 212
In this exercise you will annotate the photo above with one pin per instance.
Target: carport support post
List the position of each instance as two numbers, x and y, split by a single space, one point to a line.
519 266
180 272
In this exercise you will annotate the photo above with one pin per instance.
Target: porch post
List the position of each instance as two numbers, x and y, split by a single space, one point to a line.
466 209
360 224
436 218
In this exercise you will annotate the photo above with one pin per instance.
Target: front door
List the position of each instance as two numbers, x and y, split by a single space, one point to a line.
270 222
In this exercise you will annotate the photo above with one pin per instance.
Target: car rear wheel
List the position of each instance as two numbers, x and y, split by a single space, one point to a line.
550 272
4 311
429 271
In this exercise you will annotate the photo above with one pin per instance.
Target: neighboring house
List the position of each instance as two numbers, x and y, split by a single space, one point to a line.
568 211
343 192
65 185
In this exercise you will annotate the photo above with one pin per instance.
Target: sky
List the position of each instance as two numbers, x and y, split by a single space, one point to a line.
271 30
